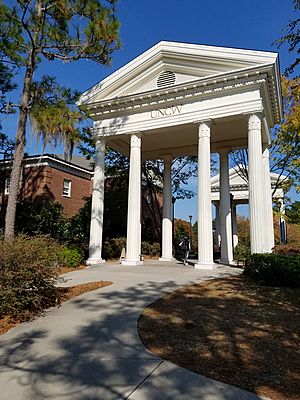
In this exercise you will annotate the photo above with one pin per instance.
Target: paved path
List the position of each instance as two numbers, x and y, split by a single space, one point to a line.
89 348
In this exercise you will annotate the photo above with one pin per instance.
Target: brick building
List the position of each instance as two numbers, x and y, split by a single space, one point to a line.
50 178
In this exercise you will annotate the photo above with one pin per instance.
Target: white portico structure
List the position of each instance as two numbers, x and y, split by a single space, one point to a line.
239 195
180 99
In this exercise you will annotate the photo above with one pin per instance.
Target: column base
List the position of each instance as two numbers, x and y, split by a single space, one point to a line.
94 261
203 265
165 259
132 262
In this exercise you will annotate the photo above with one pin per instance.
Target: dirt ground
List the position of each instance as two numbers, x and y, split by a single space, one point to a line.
231 330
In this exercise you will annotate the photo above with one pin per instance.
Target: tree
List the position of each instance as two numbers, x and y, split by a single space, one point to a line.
36 30
293 213
6 146
285 140
292 38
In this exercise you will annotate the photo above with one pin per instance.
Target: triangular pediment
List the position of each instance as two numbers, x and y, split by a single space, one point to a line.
168 64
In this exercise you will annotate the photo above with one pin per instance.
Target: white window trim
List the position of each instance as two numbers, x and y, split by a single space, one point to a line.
69 188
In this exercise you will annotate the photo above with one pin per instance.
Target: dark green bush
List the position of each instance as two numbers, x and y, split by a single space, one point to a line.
274 269
28 273
112 248
151 249
70 257
241 251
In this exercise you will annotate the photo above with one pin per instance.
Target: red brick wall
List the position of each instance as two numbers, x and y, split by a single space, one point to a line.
80 188
46 183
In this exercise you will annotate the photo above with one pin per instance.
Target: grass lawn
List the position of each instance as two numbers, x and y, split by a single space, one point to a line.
231 330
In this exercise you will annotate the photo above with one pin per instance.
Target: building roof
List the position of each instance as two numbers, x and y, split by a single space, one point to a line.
78 166
192 64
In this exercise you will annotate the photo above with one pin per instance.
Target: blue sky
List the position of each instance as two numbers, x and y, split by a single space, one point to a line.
251 24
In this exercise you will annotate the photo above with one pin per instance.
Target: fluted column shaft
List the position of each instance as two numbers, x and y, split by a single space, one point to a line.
256 189
218 232
235 238
133 243
268 203
167 212
96 230
205 240
225 210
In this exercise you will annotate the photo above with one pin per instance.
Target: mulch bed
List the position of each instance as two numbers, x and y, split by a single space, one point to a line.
66 293
231 330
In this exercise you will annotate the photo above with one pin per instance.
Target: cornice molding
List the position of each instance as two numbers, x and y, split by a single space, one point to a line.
185 93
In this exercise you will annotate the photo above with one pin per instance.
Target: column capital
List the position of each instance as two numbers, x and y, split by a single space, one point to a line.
254 120
266 153
100 143
204 128
135 139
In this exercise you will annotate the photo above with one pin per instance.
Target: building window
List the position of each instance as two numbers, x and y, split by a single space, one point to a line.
67 188
7 186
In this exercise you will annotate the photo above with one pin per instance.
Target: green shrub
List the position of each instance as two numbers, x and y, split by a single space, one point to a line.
241 252
274 269
70 257
151 249
28 273
112 248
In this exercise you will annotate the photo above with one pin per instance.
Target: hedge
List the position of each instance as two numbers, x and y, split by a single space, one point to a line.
274 269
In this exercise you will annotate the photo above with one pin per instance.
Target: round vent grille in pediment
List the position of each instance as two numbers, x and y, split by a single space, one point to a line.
166 78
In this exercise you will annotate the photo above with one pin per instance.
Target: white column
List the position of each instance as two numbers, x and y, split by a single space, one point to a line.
205 239
218 234
235 237
167 212
268 203
133 243
225 210
95 246
256 189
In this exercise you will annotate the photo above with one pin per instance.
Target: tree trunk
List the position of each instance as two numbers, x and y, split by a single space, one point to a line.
10 216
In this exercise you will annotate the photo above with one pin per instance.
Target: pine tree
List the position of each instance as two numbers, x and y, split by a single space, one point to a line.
36 30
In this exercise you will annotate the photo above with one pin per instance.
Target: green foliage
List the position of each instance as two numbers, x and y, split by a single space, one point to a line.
27 276
6 146
274 269
150 249
6 86
54 115
45 218
65 30
241 251
36 31
293 213
79 224
70 257
291 37
112 248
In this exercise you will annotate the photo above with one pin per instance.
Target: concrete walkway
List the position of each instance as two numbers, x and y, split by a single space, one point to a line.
89 348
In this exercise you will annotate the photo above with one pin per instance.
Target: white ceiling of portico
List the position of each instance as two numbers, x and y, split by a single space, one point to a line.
189 62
